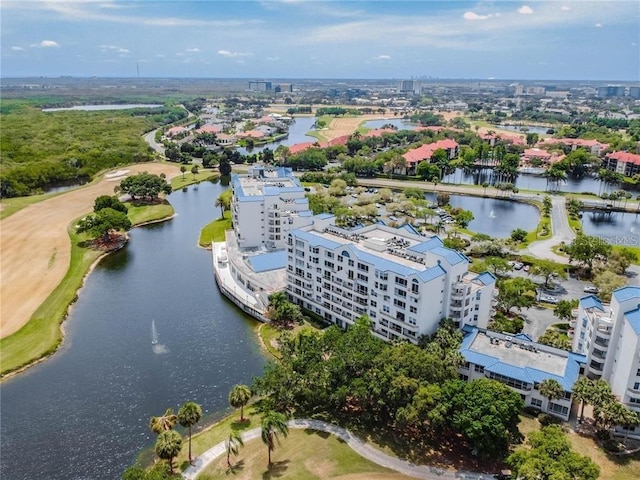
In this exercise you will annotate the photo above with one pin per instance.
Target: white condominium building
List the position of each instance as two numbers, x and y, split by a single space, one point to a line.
267 204
609 336
406 283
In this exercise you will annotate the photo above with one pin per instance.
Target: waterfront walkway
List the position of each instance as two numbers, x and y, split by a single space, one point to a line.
363 449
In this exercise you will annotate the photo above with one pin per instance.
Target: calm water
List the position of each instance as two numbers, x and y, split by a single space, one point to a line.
297 134
530 182
495 217
83 414
518 128
396 122
94 108
615 227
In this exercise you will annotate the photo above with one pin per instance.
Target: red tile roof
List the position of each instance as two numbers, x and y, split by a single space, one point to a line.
338 141
378 132
209 129
625 157
250 133
301 147
536 153
425 152
176 130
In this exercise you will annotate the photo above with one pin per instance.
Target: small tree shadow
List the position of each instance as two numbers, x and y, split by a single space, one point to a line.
237 467
241 424
276 470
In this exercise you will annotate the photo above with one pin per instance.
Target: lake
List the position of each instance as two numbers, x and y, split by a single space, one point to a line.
84 413
297 134
529 128
95 108
399 123
616 228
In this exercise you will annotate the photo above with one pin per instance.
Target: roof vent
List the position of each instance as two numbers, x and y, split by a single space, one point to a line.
508 344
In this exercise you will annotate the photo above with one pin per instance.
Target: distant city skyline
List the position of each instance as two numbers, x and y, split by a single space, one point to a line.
527 40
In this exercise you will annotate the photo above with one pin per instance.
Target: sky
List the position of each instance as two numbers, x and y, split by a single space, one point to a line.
546 40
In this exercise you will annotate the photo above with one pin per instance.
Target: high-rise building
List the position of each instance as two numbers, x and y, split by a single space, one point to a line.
409 86
611 91
260 86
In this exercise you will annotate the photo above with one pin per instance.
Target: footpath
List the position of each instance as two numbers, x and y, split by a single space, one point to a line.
359 446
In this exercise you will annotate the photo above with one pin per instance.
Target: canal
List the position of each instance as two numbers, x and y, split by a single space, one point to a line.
84 413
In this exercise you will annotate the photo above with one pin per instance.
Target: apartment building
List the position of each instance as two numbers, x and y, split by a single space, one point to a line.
609 337
405 282
626 163
267 204
523 365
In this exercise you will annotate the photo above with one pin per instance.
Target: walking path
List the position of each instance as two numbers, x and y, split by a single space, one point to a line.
359 446
561 230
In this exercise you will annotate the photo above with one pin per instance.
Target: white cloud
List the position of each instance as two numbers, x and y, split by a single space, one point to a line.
565 8
193 50
273 59
109 47
17 49
525 10
160 55
382 57
227 53
598 25
123 50
49 44
475 16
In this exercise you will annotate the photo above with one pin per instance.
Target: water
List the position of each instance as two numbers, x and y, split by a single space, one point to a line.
94 108
518 128
617 228
297 134
531 182
84 413
493 216
65 185
399 123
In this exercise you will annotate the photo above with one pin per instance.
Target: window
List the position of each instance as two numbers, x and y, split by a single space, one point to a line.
328 264
315 250
363 267
413 321
401 281
536 402
399 303
351 263
636 386
478 295
415 287
385 308
413 309
466 366
584 322
634 400
638 373
560 409
400 293
374 303
363 278
478 368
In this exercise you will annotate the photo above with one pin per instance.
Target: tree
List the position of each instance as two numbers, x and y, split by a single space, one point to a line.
224 202
548 269
144 185
551 389
107 201
485 185
464 218
224 166
518 235
621 259
498 265
103 222
582 391
164 422
194 171
550 457
586 249
427 171
608 281
168 446
516 292
274 425
563 309
239 396
183 169
233 444
189 414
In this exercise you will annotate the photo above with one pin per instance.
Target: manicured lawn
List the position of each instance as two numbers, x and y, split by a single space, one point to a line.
269 335
181 181
214 232
303 455
41 335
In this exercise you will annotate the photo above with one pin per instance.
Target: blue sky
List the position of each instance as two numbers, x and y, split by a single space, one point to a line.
569 40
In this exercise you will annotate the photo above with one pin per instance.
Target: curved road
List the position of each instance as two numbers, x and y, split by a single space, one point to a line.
360 447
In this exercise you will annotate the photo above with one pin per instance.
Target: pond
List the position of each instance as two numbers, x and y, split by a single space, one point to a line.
95 108
524 128
399 123
616 228
297 134
494 216
84 413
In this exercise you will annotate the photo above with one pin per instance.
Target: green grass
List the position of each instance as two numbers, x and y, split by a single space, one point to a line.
41 336
214 232
269 334
635 250
534 235
303 455
181 181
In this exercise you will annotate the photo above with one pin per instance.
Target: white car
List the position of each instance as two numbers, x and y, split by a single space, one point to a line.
591 290
548 299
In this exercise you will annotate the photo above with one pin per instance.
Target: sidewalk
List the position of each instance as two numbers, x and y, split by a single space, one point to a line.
360 447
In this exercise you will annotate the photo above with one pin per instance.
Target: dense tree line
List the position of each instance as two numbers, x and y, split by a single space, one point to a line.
413 391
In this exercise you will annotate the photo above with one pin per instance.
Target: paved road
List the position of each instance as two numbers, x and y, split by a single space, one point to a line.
360 447
561 232
150 138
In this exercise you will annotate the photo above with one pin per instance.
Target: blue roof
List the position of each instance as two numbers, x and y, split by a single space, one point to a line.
525 374
426 246
409 228
431 273
268 261
633 317
449 255
324 216
486 278
523 336
591 301
626 293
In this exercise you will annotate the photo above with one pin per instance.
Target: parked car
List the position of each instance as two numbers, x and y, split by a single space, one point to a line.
526 268
518 266
548 299
591 289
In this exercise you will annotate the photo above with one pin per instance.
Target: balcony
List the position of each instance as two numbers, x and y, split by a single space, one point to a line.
596 367
599 354
603 342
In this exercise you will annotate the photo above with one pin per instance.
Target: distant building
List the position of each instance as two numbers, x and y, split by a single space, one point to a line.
611 91
267 204
284 88
628 164
425 152
260 86
634 92
404 282
409 86
523 365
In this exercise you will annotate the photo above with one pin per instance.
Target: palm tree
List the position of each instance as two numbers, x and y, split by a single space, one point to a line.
233 444
274 424
183 169
223 202
238 397
485 185
168 446
189 414
551 389
164 422
194 170
600 396
582 390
